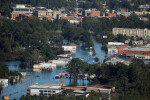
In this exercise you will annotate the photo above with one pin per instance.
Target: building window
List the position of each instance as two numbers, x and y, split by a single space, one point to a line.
49 91
41 91
53 91
45 90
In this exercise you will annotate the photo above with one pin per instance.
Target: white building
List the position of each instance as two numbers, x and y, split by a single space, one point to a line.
69 48
4 82
113 47
45 66
44 90
115 43
132 32
21 9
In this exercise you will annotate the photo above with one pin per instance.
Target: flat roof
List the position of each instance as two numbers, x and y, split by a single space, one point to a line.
44 87
144 49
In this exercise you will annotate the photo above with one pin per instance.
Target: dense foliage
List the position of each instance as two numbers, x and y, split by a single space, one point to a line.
5 73
33 40
29 39
98 4
128 80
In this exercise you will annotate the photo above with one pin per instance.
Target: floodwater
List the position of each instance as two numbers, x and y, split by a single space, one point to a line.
40 78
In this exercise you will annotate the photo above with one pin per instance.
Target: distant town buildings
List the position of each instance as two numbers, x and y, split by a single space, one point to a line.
144 6
132 32
91 13
21 9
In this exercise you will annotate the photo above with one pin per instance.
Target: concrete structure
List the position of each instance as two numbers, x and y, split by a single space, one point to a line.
43 90
101 88
21 9
47 13
132 32
40 13
116 47
4 82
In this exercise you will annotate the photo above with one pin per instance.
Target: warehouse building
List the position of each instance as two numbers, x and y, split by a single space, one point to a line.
138 52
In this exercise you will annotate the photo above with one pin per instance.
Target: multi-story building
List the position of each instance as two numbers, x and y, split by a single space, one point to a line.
116 47
132 32
43 90
48 13
21 9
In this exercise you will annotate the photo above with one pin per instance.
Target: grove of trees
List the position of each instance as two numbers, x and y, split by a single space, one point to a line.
128 80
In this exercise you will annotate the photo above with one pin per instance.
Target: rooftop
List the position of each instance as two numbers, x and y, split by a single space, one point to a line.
45 87
144 49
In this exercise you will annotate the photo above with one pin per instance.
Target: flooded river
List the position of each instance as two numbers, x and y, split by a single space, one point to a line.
40 78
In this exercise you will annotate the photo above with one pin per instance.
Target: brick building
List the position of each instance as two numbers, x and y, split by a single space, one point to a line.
91 13
137 50
121 48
